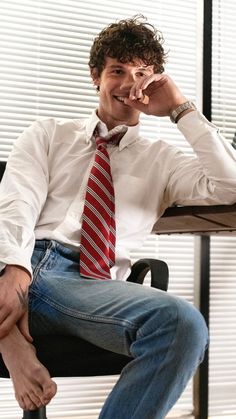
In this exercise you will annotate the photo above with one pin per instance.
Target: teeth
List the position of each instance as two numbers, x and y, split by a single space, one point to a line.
120 98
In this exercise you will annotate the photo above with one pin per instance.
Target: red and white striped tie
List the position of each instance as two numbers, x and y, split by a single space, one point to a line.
98 236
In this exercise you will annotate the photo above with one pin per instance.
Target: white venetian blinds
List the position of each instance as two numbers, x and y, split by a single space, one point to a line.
44 48
222 389
223 66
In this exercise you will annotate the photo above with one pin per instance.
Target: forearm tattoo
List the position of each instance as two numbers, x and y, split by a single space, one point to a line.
23 297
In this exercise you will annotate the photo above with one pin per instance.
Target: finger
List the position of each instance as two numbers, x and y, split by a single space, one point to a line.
144 99
159 79
7 324
137 104
3 315
137 90
23 326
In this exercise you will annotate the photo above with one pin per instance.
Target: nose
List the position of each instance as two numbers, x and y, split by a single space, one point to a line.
127 81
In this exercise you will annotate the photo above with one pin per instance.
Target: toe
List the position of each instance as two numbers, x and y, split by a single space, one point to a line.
26 403
49 391
36 398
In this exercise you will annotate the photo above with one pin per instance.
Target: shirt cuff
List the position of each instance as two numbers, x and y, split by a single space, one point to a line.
194 124
15 256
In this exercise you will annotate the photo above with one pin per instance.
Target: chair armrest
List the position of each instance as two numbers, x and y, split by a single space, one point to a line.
159 273
2 169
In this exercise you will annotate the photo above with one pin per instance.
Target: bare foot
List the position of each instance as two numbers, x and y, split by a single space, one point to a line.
32 383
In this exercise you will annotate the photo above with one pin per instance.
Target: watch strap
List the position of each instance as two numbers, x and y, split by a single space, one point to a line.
174 116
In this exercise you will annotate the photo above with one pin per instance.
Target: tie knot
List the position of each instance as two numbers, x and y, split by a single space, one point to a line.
103 141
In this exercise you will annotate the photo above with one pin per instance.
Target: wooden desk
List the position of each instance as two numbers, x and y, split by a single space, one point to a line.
203 220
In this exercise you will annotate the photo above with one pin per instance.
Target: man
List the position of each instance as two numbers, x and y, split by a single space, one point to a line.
43 196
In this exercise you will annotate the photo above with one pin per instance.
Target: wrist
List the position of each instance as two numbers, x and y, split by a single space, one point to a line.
176 103
19 272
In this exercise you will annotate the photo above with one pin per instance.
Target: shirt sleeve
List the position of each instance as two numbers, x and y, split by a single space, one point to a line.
208 177
23 192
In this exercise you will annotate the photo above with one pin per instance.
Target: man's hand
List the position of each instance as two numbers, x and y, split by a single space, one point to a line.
14 284
156 94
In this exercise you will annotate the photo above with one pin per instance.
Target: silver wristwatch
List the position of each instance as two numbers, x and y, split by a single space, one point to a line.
181 108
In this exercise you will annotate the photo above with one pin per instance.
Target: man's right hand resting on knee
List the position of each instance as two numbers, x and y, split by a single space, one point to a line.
32 383
14 284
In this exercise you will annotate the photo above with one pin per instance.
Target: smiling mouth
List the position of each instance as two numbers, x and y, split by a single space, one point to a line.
120 99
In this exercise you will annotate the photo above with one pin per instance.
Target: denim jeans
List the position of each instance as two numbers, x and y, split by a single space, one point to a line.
164 334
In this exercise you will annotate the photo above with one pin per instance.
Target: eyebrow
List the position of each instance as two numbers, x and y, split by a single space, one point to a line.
121 66
114 66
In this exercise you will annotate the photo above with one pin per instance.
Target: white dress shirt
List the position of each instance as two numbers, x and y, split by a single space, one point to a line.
43 189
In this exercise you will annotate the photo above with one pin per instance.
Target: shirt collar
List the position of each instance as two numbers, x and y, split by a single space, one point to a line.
130 136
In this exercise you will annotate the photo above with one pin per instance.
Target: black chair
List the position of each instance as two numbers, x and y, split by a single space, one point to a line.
67 356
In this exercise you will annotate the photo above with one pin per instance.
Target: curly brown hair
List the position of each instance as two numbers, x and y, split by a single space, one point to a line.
127 41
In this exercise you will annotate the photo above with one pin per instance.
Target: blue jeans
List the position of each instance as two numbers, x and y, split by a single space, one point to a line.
164 334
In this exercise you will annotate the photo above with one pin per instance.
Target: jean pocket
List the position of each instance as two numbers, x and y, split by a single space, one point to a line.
42 258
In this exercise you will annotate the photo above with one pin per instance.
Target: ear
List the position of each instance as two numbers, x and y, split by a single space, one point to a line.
95 77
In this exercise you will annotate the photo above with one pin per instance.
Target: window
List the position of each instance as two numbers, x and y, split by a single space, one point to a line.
44 49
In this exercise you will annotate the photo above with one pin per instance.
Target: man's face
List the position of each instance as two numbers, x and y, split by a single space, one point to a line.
114 84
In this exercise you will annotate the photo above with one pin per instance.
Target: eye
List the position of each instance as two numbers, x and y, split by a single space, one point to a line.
140 74
117 71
